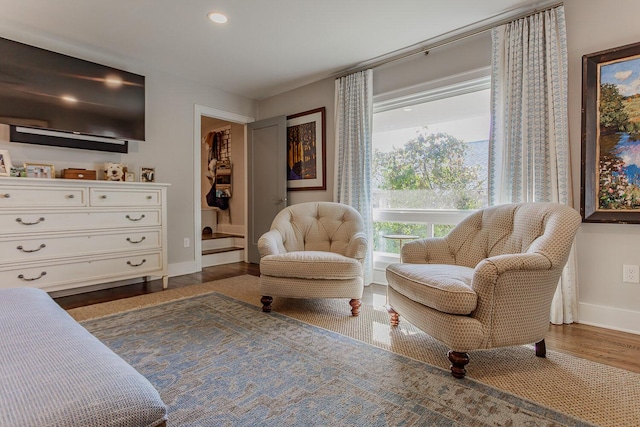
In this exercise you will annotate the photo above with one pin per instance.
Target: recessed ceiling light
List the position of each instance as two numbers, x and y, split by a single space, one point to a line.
217 17
70 99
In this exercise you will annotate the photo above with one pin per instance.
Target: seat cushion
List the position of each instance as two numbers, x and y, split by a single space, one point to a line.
310 265
446 288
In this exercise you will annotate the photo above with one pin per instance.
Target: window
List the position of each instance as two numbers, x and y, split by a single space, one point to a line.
430 157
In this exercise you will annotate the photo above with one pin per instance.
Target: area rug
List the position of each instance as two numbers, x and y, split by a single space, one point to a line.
588 390
217 361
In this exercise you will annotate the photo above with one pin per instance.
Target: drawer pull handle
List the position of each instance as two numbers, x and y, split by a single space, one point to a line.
135 219
70 196
6 196
136 265
149 197
30 223
135 241
31 279
21 249
104 196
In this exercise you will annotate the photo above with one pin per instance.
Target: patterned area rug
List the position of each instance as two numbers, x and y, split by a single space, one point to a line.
600 394
217 361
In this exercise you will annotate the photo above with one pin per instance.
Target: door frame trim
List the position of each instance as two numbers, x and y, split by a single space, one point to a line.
198 112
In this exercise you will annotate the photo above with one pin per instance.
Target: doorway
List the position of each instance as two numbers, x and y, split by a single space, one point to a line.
235 216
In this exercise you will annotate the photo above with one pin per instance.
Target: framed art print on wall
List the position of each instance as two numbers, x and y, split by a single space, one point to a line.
306 151
610 181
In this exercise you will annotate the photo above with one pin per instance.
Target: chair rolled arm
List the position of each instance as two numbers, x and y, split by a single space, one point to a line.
357 247
489 270
270 243
524 261
433 250
506 281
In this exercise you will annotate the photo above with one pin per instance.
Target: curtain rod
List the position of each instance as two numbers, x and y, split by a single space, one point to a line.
424 49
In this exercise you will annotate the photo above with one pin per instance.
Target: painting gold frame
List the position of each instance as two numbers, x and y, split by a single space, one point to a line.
610 179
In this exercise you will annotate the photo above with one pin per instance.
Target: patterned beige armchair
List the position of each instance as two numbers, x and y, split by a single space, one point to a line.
489 283
313 250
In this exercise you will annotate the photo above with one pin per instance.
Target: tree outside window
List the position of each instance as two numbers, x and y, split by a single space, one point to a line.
434 169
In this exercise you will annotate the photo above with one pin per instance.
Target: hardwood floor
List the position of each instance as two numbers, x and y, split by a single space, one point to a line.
614 348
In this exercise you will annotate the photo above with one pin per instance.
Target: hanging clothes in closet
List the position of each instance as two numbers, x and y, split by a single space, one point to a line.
219 168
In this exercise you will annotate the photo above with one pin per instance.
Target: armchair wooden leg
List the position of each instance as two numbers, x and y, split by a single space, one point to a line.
541 349
266 303
458 361
355 307
395 317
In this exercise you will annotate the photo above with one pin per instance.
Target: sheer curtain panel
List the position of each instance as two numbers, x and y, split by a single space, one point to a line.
529 141
353 119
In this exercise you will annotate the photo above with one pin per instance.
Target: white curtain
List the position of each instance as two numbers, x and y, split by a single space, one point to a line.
529 141
353 121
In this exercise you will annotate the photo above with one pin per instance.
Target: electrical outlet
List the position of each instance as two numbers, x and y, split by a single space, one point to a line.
187 243
631 273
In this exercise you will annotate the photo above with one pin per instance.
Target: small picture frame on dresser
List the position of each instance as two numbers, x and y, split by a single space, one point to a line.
5 163
147 174
130 176
39 170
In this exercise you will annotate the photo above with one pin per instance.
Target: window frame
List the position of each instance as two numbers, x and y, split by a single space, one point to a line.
476 81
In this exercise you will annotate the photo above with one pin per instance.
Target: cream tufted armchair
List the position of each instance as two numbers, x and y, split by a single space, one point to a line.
489 283
313 250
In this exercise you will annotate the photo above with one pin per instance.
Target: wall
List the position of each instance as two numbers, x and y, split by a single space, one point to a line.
315 95
601 248
169 148
604 300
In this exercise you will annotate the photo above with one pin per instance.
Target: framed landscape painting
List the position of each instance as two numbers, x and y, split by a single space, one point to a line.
306 162
610 182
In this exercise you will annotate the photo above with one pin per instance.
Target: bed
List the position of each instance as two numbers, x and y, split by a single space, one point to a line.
53 372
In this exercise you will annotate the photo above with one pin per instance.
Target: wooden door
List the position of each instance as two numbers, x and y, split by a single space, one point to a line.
267 178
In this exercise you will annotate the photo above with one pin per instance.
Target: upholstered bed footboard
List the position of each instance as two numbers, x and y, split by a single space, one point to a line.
53 372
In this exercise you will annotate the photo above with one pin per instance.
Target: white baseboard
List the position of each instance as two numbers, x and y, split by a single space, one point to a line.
180 268
609 317
222 258
231 229
379 276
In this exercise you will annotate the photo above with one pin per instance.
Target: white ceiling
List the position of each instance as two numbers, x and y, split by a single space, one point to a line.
267 46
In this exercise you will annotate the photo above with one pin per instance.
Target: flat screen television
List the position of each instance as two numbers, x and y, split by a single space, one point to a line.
54 99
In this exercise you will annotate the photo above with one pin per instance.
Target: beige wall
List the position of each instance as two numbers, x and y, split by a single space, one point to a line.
169 147
602 249
307 98
594 25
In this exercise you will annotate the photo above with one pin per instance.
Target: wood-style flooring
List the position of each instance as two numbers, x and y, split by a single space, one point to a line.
614 348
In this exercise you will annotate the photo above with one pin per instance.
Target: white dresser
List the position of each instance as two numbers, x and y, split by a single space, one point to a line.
61 234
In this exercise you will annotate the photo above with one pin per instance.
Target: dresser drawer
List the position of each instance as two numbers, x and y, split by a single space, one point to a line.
38 247
27 196
124 197
52 276
28 222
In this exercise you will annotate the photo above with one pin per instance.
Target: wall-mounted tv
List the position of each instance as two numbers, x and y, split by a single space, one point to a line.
54 99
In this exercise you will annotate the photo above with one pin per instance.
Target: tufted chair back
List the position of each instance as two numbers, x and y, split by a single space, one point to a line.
510 229
317 226
488 283
313 250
